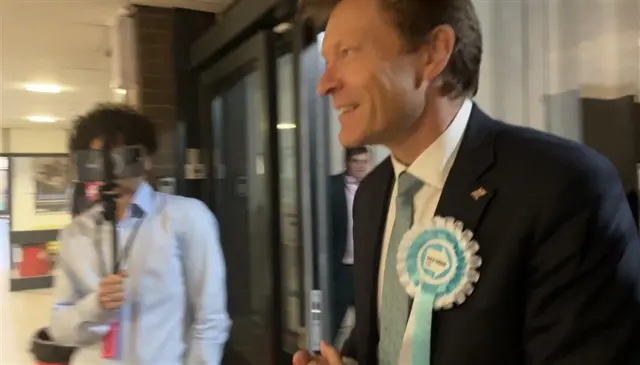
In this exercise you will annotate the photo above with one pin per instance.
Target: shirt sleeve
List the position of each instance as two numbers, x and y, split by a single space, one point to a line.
205 276
76 319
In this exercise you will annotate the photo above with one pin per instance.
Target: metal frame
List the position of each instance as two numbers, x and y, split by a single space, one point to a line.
26 238
313 145
257 51
239 22
216 51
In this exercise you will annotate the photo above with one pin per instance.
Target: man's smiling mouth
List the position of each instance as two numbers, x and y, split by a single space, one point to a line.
346 109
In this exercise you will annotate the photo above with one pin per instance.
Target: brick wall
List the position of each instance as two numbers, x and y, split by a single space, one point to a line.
156 90
158 37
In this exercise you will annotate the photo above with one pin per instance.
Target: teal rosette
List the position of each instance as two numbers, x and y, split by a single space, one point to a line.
438 266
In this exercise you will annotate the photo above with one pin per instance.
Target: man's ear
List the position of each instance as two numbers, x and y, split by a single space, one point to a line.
437 52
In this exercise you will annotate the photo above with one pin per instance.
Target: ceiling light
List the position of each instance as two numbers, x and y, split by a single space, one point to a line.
120 91
285 126
41 119
43 88
282 28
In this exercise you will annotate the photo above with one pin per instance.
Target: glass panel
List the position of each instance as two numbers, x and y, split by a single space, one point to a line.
240 208
342 186
314 197
39 196
291 249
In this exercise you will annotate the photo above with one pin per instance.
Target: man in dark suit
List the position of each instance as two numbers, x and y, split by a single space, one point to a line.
559 282
342 191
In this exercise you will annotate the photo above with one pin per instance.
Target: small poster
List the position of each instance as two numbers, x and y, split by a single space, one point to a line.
51 179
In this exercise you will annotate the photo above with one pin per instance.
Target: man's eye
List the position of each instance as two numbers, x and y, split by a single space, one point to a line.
345 52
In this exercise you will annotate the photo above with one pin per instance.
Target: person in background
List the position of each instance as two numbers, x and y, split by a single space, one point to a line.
478 242
167 304
342 191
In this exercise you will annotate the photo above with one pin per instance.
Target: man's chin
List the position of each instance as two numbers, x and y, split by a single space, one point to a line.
351 141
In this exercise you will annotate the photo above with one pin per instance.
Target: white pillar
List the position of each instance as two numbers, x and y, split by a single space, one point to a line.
512 73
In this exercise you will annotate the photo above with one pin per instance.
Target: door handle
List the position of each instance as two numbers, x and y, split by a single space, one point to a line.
241 186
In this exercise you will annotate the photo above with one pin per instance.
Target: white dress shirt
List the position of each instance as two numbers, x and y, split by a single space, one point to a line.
176 288
350 187
432 167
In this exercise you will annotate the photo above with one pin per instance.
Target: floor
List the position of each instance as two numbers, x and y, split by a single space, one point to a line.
21 314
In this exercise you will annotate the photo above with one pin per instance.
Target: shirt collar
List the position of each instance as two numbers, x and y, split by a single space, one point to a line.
434 163
350 180
142 201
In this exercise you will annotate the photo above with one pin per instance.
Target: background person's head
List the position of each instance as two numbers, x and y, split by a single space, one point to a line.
390 61
129 127
357 161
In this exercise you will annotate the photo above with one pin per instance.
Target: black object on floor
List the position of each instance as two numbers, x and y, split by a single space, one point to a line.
46 352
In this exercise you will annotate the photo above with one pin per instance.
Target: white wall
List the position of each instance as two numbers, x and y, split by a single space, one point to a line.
23 185
33 140
534 48
24 217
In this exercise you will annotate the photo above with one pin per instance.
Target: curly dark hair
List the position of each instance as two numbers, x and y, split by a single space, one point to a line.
132 127
415 20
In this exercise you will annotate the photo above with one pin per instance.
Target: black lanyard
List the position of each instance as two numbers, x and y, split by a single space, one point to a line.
126 249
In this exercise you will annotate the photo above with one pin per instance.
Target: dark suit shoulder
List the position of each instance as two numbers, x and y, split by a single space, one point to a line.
379 175
337 177
547 159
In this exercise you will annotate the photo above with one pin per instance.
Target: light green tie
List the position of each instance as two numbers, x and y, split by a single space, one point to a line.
395 302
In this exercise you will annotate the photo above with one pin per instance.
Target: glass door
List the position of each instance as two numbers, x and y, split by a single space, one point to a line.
302 183
238 133
265 141
304 172
292 258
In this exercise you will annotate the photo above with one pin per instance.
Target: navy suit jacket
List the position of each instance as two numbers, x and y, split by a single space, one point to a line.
339 221
559 283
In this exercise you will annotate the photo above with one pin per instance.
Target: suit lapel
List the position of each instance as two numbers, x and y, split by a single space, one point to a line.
341 198
380 193
341 217
465 195
378 217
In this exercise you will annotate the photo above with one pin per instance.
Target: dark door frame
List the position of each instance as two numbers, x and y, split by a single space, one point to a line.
230 36
256 54
241 21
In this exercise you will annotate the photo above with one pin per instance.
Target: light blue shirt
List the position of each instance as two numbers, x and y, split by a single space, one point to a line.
175 311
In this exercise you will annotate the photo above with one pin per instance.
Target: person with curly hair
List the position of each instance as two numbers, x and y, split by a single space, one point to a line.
167 304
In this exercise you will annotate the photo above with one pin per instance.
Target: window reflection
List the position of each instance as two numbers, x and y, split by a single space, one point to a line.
292 285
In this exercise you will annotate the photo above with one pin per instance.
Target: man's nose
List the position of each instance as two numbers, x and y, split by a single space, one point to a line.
328 83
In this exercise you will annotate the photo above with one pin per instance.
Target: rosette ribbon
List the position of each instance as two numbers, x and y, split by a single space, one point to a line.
438 265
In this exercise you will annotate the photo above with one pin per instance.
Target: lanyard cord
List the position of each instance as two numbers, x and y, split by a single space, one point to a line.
126 250
97 242
130 240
